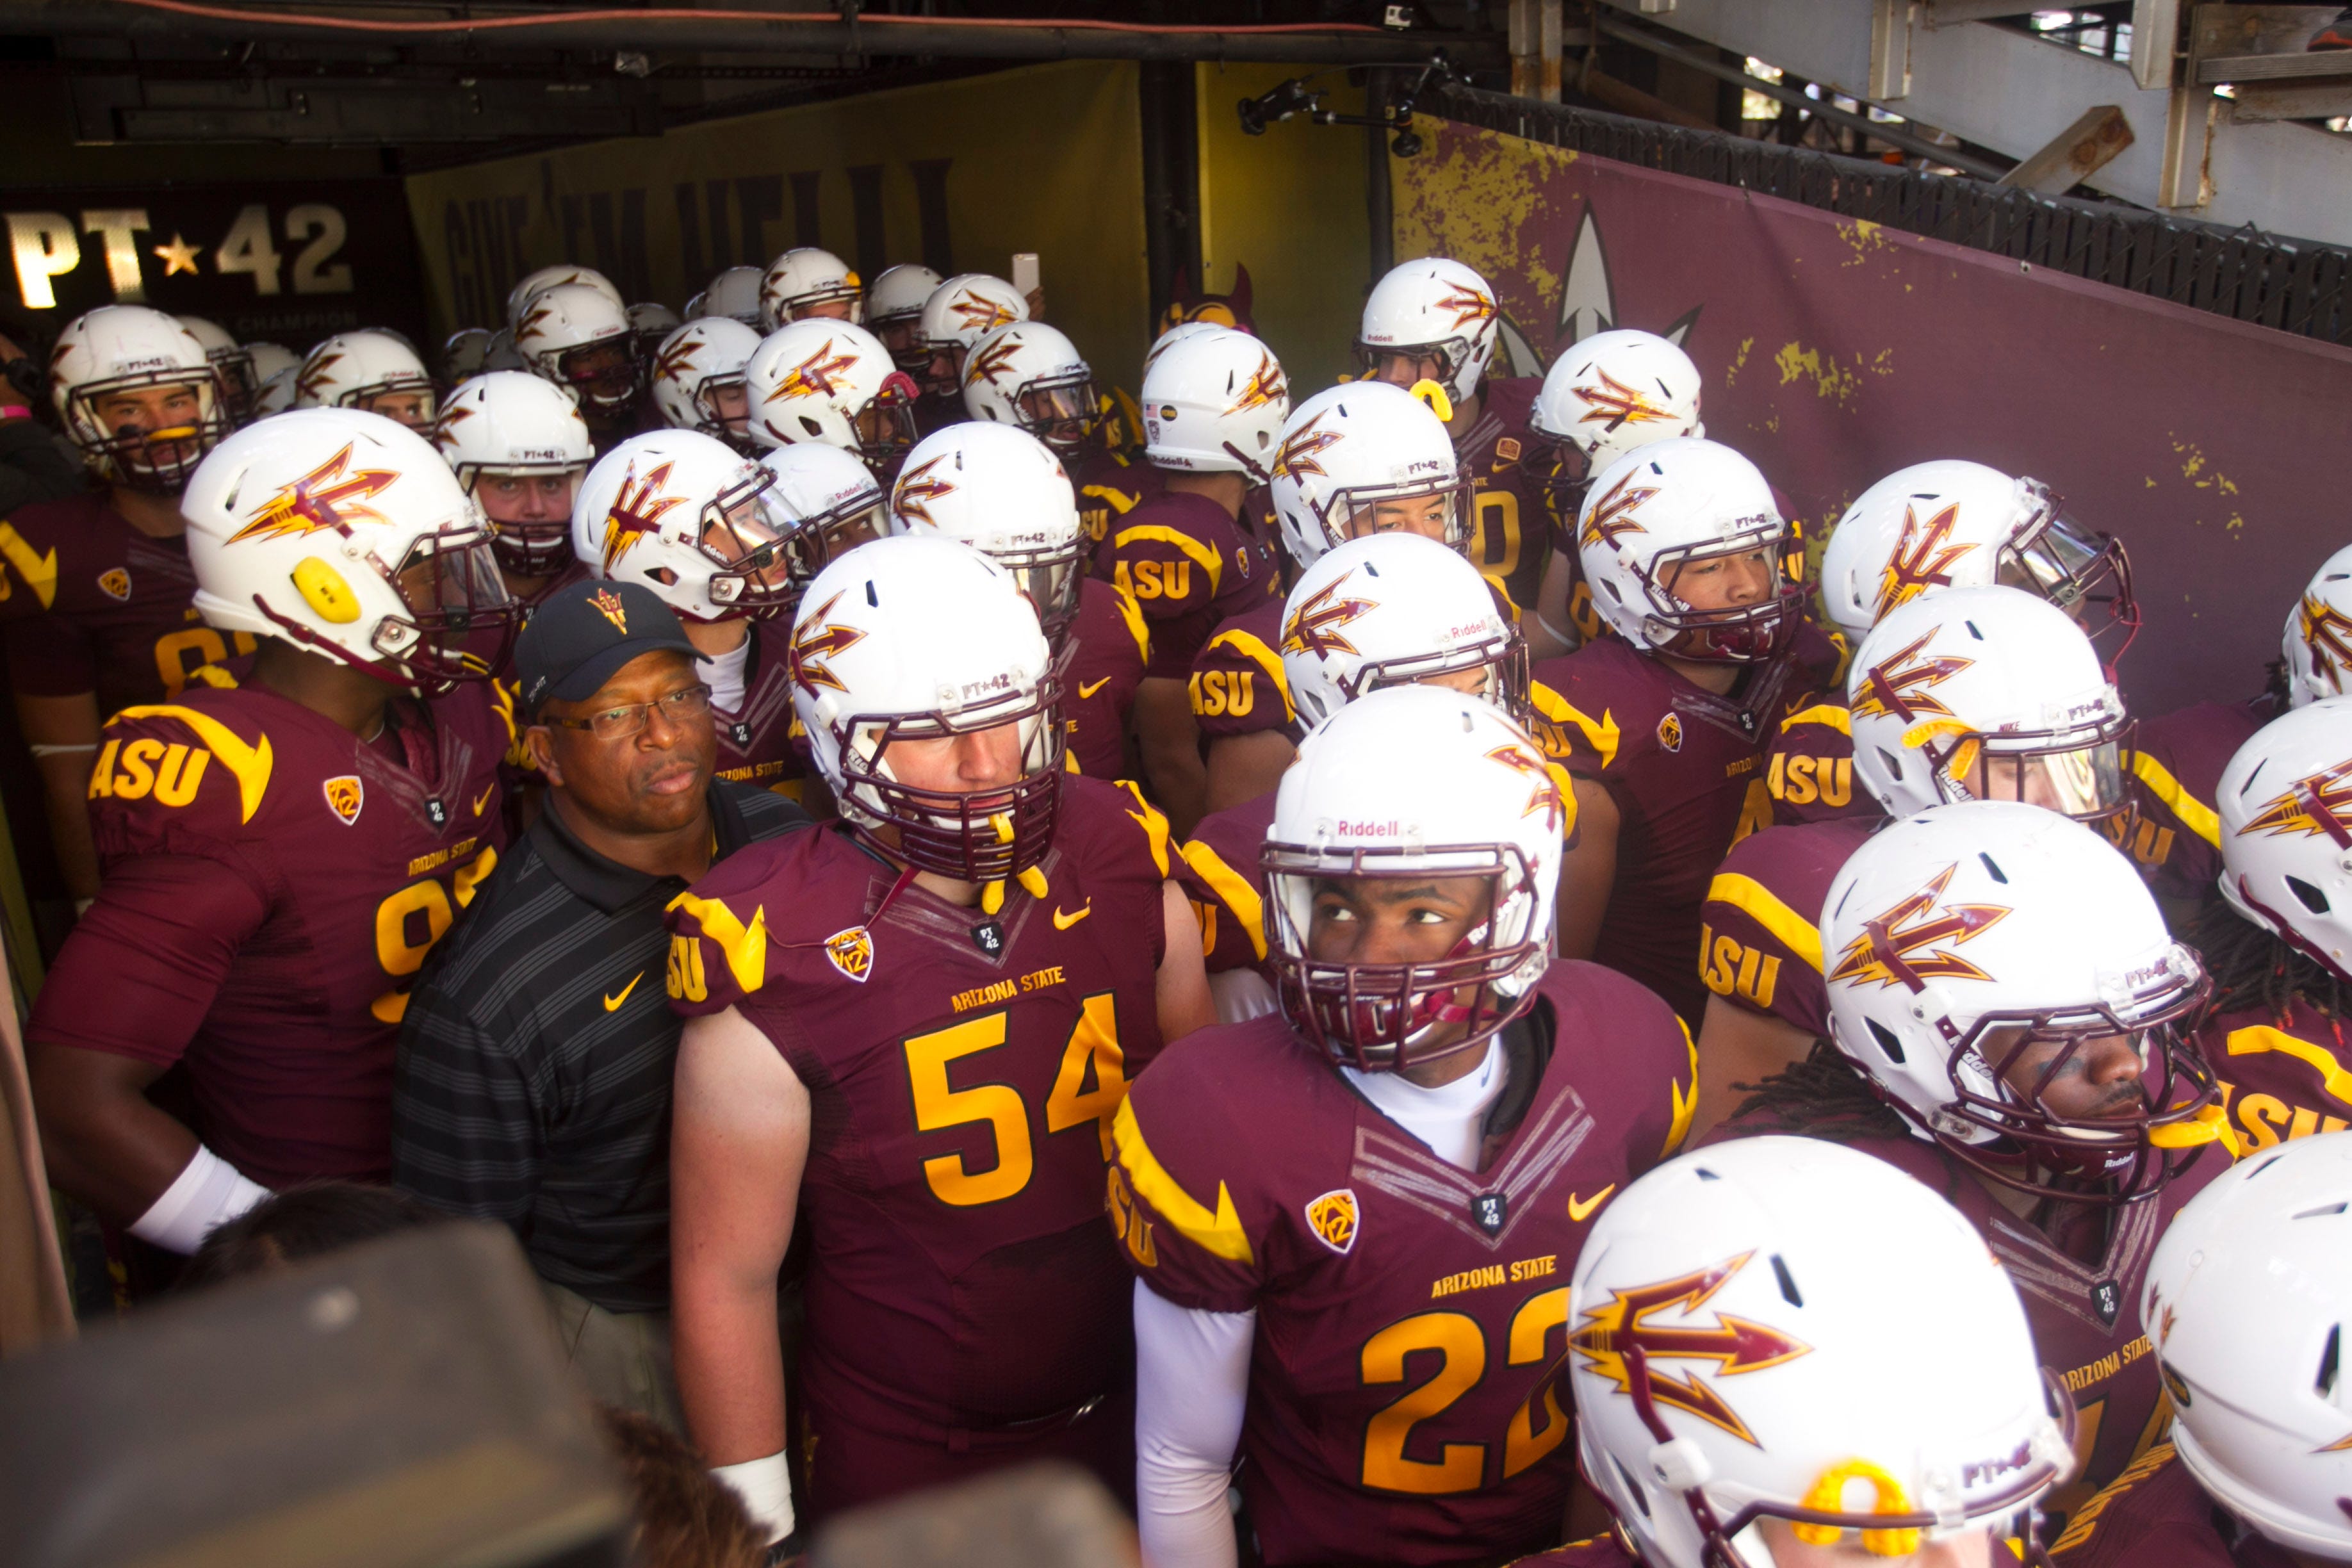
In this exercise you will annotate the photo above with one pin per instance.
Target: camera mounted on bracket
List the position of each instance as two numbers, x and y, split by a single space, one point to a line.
1298 95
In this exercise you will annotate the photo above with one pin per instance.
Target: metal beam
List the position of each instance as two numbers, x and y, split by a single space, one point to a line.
2074 154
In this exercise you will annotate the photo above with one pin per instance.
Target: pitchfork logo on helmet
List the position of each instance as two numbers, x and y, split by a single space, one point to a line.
1736 1345
2317 804
977 315
1899 685
2327 633
1611 516
678 356
813 377
326 497
1900 947
1300 449
636 511
819 639
1546 801
313 376
1469 306
1613 403
1265 387
917 488
990 363
1923 559
1315 627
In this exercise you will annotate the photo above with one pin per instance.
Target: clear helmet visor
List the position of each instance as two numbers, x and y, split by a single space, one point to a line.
2085 782
1062 412
448 579
1438 509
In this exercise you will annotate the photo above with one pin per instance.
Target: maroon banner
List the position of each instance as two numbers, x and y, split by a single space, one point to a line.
1836 352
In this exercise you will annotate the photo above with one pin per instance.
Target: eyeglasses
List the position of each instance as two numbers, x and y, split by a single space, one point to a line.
620 723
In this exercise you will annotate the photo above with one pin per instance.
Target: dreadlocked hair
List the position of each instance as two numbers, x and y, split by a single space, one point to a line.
2253 968
1824 1096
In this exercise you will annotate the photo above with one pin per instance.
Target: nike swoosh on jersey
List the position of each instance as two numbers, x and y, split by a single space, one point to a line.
1580 1209
1063 922
1085 691
483 799
613 1004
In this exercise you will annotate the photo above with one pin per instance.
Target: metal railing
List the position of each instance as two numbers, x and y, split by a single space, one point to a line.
2297 285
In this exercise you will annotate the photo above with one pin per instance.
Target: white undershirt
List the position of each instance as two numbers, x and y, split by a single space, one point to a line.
1192 1367
723 673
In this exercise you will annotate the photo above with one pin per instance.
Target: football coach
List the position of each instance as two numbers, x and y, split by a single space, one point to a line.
533 1079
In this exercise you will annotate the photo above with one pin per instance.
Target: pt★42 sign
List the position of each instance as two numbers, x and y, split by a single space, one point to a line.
283 263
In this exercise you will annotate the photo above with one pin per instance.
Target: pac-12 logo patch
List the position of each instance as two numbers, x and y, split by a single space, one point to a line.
345 795
1670 733
852 952
1333 1217
115 584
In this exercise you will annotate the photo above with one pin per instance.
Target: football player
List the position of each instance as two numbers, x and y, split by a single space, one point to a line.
2249 1289
1029 374
1436 319
697 380
1333 1212
651 321
2277 939
519 447
700 525
1920 530
910 1032
894 313
231 360
1969 694
958 314
992 487
832 383
734 293
95 588
576 336
1389 609
1215 405
1603 396
280 857
1663 724
368 370
538 282
1358 460
2005 1005
807 283
1826 1435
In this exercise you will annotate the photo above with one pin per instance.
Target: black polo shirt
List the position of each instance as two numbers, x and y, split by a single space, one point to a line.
533 1081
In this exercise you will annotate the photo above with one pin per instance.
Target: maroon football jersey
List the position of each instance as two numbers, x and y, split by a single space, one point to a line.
1238 686
1109 485
2281 1077
2177 763
963 1073
1252 1176
1759 935
1223 875
755 741
271 888
2155 1515
1113 646
1191 569
1682 766
573 571
1809 763
1512 536
91 603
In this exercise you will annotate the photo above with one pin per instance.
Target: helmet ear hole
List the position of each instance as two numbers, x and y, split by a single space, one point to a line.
2312 898
1886 1041
815 430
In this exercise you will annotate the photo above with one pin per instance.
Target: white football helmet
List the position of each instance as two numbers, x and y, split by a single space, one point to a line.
503 354
275 394
2285 805
269 359
1215 403
1878 1373
131 349
2317 642
1986 693
510 422
231 363
734 293
806 276
825 501
915 637
967 308
2249 1300
1969 942
536 283
688 517
1477 799
1030 375
578 339
352 369
1953 524
1359 445
465 352
1605 395
344 533
1177 335
695 366
1671 506
1002 491
652 321
1434 308
899 293
832 382
1389 610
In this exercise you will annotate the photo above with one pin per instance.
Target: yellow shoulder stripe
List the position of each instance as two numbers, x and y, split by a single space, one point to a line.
1120 502
1132 613
251 764
39 572
1252 648
1234 888
1155 826
1761 904
1219 1233
1209 560
745 947
2256 1038
1686 1105
1836 715
1603 737
2194 813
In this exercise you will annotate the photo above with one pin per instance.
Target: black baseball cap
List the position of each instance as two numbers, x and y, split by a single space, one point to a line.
583 632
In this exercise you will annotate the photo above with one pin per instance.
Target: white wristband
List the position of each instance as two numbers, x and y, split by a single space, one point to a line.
766 1489
207 1192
